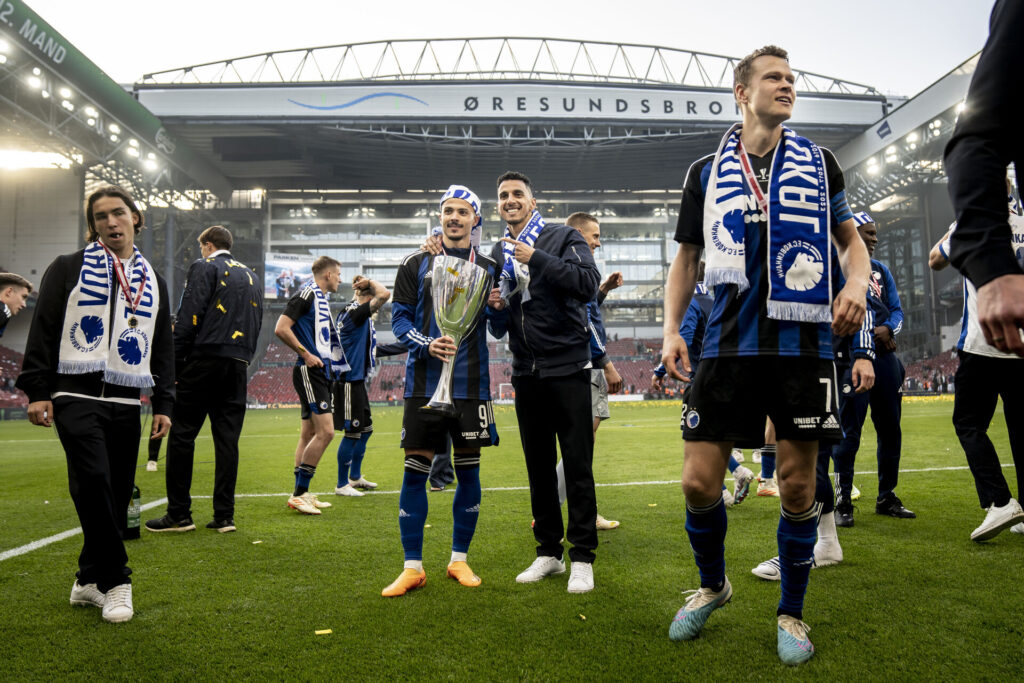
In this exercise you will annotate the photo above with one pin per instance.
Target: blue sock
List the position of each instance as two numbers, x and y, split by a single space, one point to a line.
344 459
412 506
797 535
357 456
303 475
768 461
466 506
706 528
732 463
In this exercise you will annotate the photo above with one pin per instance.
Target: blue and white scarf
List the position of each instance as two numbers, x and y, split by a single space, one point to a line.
328 342
90 341
799 227
515 276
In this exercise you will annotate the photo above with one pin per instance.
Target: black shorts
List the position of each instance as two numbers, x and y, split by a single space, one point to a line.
314 390
731 397
474 428
352 408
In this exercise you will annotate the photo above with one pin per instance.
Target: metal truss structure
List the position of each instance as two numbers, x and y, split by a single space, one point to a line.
486 59
36 107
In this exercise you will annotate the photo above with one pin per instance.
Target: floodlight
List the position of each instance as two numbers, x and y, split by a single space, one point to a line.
114 128
65 92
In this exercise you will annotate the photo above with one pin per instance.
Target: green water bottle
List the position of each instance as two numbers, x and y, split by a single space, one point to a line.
134 515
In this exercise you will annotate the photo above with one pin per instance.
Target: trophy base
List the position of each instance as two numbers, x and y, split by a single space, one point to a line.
440 409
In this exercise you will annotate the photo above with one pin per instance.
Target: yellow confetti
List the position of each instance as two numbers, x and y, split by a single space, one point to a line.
426 526
583 617
324 632
255 542
652 505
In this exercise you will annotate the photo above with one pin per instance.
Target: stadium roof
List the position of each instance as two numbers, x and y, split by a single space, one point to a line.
418 114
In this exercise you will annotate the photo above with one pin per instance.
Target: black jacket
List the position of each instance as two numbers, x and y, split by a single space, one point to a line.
221 311
39 378
549 334
988 137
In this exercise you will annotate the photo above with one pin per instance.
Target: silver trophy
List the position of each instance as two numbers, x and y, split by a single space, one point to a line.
459 290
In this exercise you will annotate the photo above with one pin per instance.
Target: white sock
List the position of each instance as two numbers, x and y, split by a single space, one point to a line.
458 557
827 528
414 564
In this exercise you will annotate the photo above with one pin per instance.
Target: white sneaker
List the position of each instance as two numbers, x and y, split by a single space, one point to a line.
1017 528
827 553
728 498
118 605
348 490
317 503
361 483
151 466
768 570
303 505
755 456
997 519
88 594
544 565
581 577
737 455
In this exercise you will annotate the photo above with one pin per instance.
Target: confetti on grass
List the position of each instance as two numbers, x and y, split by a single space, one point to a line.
255 542
324 632
652 505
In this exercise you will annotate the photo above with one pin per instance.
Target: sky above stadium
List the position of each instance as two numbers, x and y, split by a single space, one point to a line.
898 46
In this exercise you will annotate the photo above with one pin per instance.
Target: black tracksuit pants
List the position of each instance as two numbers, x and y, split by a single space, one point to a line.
101 443
980 381
553 408
214 387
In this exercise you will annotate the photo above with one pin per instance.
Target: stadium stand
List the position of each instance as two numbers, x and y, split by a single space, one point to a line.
934 374
10 366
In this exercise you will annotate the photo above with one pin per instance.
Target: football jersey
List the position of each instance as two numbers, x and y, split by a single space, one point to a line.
738 324
354 329
412 321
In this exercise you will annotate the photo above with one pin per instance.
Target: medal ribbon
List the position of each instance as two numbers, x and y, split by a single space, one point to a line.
123 281
748 172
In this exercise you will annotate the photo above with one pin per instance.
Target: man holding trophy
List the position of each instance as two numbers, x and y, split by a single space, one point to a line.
438 309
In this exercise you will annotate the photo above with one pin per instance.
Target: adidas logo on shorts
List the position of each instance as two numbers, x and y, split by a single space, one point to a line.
830 423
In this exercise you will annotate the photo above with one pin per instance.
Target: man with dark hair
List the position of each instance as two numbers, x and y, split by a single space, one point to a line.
425 433
307 328
604 378
764 208
101 332
215 334
885 396
548 277
14 291
352 416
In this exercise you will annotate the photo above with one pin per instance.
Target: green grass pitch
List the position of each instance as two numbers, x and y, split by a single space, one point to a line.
913 600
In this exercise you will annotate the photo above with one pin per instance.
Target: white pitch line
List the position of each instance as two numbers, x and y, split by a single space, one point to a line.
35 545
43 542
